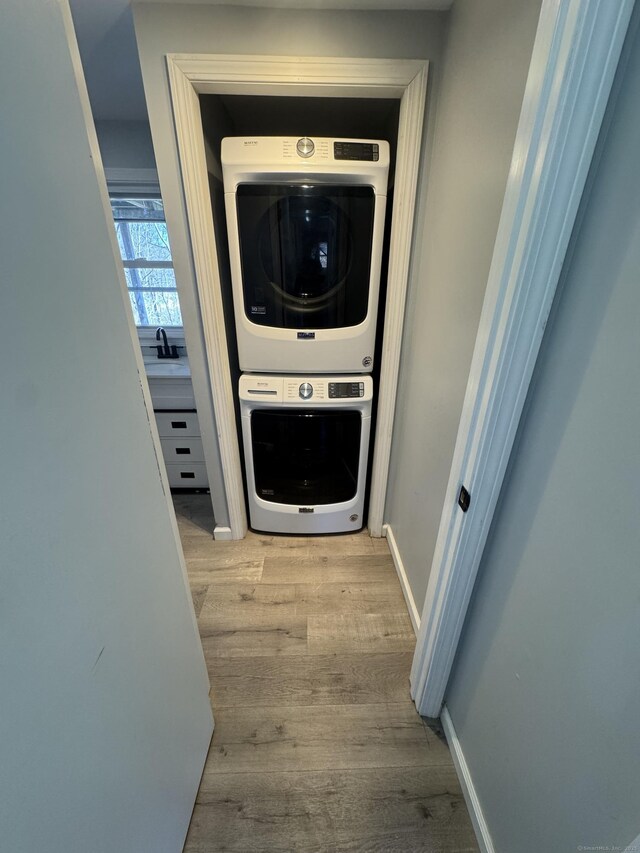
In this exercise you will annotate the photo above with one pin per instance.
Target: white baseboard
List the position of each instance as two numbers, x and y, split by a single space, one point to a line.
222 534
466 783
402 575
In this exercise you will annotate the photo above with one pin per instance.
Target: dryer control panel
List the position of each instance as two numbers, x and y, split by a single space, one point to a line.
257 159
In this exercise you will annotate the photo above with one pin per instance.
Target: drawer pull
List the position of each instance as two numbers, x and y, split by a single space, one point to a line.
179 424
187 475
183 451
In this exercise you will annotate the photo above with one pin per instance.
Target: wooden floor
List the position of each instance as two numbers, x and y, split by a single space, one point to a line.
317 745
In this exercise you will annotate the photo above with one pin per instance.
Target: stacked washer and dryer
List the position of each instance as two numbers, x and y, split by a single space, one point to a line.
305 220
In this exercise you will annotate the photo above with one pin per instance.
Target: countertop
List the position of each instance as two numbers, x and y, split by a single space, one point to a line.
167 368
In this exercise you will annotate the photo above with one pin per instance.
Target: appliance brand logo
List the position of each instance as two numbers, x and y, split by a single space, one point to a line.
306 509
306 336
258 309
250 141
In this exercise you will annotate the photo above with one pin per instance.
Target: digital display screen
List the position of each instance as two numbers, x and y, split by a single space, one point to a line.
346 389
356 151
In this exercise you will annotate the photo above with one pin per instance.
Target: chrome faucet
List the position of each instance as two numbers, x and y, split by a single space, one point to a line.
165 351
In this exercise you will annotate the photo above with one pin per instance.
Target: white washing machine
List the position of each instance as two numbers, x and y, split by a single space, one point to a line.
306 444
305 220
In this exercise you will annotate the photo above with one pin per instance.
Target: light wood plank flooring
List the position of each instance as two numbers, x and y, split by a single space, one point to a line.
317 746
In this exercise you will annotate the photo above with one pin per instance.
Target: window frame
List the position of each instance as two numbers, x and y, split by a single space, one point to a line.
146 187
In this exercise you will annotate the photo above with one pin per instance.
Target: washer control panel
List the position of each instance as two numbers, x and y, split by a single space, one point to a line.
299 389
305 146
264 391
346 389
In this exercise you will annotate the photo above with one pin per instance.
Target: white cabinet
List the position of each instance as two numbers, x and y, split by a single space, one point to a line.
177 424
182 449
185 462
172 393
187 475
174 407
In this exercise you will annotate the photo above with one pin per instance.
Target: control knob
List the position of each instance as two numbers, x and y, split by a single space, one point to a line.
306 390
305 147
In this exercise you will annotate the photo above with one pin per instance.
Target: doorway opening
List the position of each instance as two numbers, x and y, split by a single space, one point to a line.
287 116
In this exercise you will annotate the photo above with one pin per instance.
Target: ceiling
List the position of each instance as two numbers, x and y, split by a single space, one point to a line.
106 38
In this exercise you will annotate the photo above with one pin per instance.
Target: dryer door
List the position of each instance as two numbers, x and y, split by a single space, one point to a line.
305 457
305 253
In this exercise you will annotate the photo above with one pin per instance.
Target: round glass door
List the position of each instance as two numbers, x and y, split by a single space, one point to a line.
305 249
305 253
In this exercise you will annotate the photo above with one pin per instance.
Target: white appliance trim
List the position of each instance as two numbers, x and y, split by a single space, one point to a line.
191 75
575 56
480 826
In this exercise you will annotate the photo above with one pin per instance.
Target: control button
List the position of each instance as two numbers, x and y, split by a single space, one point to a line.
306 390
305 147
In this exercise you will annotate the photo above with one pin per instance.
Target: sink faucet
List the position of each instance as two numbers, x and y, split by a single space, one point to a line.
165 351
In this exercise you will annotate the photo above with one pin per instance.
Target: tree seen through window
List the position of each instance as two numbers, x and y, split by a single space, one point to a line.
146 256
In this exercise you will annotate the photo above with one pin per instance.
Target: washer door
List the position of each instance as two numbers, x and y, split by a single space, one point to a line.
307 457
306 254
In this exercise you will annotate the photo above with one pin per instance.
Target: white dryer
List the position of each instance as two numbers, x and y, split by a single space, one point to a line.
305 220
306 445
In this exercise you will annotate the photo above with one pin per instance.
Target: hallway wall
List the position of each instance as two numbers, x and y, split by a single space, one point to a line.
484 71
125 144
105 717
165 28
545 693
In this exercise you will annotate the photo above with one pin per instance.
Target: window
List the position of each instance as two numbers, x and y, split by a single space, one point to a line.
146 256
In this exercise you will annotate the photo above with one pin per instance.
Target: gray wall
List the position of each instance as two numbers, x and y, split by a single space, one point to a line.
125 144
483 78
546 690
104 711
162 29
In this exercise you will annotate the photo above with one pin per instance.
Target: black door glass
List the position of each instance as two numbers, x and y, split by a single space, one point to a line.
305 254
305 458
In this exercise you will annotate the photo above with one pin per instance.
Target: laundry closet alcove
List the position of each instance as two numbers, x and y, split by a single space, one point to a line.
311 80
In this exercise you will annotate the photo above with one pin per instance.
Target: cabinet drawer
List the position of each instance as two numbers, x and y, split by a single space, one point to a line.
172 394
181 450
176 424
188 475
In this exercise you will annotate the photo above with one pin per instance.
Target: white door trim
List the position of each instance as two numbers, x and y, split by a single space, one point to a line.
191 75
574 60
